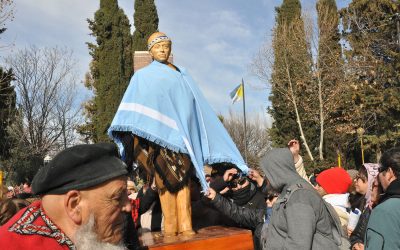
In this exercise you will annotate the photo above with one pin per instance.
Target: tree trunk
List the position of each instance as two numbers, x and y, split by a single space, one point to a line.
302 136
321 116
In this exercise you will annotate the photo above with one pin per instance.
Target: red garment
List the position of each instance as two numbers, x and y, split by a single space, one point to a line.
334 180
135 210
31 229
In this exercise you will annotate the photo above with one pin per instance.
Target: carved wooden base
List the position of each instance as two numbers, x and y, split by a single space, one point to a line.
215 238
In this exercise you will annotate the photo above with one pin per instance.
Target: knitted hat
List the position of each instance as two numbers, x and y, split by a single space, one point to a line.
79 167
334 180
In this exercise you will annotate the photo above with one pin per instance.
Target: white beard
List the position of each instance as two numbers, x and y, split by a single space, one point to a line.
86 239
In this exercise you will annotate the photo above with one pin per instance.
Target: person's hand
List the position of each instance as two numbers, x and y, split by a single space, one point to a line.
358 246
228 175
349 231
211 194
294 147
224 191
255 176
271 202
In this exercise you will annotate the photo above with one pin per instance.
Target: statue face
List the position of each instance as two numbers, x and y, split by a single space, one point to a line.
161 51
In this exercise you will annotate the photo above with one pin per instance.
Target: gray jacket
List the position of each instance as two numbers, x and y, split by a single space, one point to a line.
301 222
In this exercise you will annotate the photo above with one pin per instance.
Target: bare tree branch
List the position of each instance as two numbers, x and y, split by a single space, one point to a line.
47 98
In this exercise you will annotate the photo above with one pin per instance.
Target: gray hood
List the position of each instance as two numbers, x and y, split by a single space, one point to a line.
278 166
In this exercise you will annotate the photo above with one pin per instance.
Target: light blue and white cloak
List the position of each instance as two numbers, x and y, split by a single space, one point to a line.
166 107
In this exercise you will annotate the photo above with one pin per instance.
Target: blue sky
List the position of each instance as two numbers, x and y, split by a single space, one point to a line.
215 40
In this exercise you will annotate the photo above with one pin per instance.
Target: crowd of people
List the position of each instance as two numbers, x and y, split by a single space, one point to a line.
71 206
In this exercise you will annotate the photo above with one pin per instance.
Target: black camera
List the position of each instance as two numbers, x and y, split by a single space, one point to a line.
237 179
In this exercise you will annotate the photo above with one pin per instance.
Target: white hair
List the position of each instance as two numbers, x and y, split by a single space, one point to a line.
86 239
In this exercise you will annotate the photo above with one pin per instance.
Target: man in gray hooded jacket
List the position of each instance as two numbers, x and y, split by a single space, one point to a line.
300 218
304 221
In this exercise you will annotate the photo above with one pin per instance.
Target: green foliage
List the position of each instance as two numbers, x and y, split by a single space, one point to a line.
146 23
26 168
371 29
111 67
291 57
7 111
22 163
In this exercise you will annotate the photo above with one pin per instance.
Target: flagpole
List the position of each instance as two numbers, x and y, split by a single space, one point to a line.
244 119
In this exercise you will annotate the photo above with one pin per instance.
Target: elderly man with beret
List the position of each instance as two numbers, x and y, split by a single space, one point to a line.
84 199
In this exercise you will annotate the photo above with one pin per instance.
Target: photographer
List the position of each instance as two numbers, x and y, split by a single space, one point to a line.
240 200
250 212
240 190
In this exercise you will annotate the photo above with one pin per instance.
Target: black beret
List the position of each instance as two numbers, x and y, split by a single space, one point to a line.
79 167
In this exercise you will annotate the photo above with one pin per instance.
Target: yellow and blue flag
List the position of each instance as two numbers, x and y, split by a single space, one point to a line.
237 93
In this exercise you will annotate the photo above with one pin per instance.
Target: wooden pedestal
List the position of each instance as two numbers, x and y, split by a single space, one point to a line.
210 238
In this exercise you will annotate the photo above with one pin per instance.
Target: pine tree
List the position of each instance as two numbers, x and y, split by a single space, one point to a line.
146 23
7 111
372 31
111 67
290 77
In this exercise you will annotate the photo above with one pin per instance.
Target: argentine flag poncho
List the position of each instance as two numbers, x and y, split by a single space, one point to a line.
166 107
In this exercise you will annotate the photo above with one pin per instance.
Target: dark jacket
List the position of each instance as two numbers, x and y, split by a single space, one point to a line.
357 236
145 202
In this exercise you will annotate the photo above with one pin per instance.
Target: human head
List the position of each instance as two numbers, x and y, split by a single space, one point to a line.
278 167
353 174
333 181
131 187
389 169
243 191
27 187
159 46
365 178
85 181
10 192
376 190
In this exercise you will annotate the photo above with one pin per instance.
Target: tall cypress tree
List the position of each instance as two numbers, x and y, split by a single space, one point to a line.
146 23
111 67
372 31
290 75
7 111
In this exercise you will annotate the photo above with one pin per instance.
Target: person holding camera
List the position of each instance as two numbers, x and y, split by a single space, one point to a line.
240 190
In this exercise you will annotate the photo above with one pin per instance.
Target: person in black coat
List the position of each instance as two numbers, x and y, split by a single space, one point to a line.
357 236
148 195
